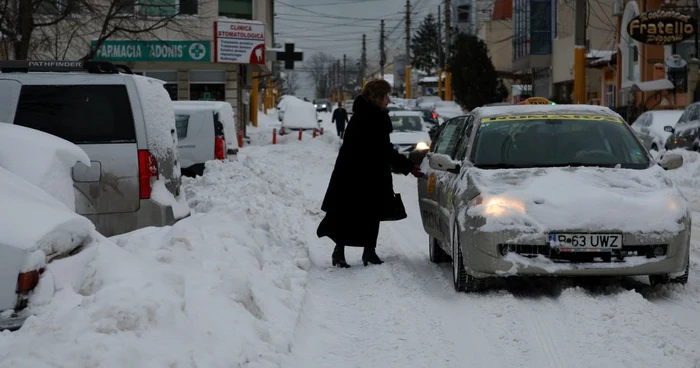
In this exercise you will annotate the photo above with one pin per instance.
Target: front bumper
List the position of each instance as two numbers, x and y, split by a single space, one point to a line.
483 256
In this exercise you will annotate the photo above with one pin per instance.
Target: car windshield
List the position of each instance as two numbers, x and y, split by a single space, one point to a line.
519 141
407 123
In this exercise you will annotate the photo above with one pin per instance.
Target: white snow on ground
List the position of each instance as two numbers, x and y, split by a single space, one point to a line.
245 282
222 288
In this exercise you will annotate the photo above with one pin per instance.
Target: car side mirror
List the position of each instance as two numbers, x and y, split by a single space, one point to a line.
670 161
442 162
669 129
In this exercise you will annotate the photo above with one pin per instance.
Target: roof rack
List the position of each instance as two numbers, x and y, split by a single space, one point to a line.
95 67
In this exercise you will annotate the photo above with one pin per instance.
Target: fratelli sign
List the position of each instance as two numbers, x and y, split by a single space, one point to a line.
164 51
661 27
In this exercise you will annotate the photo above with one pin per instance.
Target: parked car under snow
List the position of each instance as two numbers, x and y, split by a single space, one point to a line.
36 227
299 115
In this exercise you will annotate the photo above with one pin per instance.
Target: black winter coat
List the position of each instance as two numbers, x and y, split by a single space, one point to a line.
340 116
361 188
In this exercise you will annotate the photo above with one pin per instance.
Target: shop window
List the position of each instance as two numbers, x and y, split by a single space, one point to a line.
207 85
238 9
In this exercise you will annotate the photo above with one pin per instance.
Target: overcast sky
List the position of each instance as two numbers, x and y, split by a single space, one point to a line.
336 27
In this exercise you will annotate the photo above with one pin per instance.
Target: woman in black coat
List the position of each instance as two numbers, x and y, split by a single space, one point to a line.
361 191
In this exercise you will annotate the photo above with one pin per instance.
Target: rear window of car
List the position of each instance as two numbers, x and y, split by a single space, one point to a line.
81 114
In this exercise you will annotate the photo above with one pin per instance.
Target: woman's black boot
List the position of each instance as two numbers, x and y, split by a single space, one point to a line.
370 256
338 257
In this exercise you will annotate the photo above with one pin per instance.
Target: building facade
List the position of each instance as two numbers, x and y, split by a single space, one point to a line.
183 53
647 71
497 33
600 42
533 27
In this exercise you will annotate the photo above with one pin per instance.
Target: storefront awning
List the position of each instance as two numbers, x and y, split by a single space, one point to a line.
657 85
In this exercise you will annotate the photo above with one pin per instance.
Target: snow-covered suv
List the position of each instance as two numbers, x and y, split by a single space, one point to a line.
124 122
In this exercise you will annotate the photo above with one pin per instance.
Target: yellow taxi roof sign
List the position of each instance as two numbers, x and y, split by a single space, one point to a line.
536 101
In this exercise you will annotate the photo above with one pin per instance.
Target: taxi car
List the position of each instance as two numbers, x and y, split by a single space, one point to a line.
551 190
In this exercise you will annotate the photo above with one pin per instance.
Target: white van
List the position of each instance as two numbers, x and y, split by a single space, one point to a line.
299 115
206 131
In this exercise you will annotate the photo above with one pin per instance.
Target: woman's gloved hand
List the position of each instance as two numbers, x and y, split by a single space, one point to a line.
416 172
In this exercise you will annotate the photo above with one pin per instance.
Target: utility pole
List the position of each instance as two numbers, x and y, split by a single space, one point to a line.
345 75
448 47
579 52
363 61
441 53
407 74
382 54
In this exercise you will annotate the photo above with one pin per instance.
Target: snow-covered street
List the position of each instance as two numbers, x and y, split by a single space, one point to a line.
245 282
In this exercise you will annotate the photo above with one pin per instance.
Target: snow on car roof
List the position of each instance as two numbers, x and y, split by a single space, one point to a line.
405 113
200 105
488 111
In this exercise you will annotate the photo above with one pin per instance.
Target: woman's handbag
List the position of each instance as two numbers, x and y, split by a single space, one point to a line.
396 211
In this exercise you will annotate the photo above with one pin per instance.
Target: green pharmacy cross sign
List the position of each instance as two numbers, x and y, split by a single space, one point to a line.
164 51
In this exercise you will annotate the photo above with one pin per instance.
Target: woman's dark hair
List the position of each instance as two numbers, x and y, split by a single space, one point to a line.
375 91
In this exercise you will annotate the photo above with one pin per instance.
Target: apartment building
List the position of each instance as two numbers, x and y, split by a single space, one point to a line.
184 54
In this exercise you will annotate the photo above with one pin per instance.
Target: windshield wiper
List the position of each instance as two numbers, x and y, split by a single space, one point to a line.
501 165
579 164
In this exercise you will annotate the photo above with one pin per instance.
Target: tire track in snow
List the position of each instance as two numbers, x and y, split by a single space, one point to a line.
477 324
542 327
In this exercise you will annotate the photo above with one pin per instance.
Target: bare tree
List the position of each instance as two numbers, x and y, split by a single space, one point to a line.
319 66
290 83
52 28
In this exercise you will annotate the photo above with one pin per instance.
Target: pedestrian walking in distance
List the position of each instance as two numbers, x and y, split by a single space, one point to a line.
340 118
360 193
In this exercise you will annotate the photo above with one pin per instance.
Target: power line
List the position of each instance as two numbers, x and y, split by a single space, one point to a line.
328 15
337 3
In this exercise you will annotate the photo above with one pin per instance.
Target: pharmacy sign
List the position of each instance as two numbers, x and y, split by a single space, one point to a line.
154 51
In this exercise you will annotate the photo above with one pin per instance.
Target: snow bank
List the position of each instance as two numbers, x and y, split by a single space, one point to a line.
34 221
299 114
222 288
50 170
162 195
542 199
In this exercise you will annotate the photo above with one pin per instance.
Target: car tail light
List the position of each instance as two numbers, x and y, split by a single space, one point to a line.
434 115
220 148
27 281
148 173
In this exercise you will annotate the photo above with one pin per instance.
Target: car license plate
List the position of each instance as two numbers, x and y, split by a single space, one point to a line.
585 242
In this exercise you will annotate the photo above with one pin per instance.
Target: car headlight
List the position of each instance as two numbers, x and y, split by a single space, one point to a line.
315 105
497 206
422 146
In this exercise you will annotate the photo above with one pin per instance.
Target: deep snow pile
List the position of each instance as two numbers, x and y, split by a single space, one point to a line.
222 288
